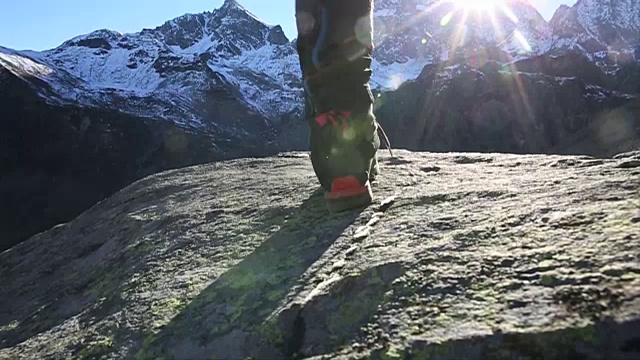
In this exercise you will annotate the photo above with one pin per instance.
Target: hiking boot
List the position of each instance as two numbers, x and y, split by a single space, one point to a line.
343 154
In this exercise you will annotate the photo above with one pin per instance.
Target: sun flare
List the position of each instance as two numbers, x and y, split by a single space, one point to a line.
479 5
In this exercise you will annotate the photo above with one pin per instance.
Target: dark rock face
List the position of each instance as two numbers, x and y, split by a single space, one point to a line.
95 43
570 64
491 256
540 105
628 78
184 31
171 64
276 36
99 39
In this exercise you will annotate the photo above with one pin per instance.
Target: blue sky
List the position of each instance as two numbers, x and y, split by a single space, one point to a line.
44 24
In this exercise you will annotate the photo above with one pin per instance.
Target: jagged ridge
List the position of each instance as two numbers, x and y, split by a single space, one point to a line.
168 72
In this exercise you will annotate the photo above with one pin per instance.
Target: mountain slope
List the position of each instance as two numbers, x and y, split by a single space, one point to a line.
57 161
598 26
479 257
522 86
122 106
175 71
414 33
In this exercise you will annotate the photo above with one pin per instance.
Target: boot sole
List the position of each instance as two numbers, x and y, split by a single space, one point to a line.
350 202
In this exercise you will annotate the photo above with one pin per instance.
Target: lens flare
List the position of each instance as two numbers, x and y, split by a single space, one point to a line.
479 5
461 18
505 9
349 134
395 81
446 19
522 40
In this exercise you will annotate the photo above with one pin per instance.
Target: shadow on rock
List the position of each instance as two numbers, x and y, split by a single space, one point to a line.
232 317
334 316
604 339
55 282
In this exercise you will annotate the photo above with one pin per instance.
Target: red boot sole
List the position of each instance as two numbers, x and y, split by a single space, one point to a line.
336 203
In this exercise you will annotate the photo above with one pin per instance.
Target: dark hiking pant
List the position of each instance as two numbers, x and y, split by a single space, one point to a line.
335 44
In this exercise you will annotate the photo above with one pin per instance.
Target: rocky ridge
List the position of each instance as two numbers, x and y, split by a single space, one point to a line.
597 26
480 256
177 70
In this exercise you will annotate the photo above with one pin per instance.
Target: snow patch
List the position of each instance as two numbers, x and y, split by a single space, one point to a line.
391 76
23 66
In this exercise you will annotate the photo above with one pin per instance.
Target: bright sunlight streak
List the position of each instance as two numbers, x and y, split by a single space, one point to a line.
483 7
480 5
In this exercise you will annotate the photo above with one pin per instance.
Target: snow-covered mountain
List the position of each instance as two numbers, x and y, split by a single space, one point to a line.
175 71
180 70
419 32
596 26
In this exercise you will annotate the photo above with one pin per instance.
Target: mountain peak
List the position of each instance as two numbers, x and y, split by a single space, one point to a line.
598 25
232 4
560 14
234 9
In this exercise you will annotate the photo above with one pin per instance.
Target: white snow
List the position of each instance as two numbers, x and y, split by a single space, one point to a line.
23 66
384 12
390 77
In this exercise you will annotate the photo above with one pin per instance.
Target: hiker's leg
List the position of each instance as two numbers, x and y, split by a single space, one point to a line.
308 24
342 56
343 136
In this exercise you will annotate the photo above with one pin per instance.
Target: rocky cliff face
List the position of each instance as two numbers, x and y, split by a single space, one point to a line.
545 104
477 256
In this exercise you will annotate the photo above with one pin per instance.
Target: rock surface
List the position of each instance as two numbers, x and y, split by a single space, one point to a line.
477 256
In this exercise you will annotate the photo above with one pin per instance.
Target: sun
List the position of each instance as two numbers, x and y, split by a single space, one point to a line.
490 9
478 5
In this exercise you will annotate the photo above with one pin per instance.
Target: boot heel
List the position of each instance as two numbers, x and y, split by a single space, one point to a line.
347 193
